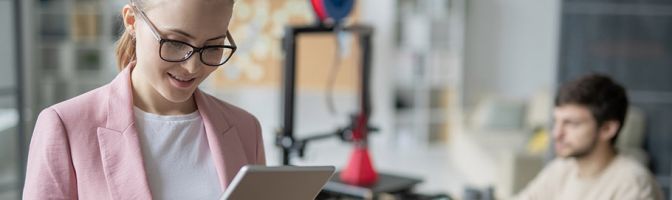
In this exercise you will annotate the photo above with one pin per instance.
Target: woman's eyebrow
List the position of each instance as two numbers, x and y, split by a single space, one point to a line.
218 37
192 37
183 33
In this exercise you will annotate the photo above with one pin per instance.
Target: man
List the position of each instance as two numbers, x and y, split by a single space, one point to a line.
588 115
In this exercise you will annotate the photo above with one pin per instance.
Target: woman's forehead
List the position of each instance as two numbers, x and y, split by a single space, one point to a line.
150 4
200 18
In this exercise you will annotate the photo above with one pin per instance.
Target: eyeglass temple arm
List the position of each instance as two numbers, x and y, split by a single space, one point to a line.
230 38
142 15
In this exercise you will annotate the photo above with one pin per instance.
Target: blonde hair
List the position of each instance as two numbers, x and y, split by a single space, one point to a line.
125 50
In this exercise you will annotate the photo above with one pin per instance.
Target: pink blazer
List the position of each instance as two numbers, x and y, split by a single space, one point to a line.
87 147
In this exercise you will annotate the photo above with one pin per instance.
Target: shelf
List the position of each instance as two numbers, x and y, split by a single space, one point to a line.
87 42
60 11
605 8
92 43
50 4
88 59
435 115
54 26
50 59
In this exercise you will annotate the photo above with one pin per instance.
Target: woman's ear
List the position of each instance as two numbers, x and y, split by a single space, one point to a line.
609 130
128 18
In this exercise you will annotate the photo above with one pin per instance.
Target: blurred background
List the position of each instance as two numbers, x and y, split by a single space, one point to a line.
462 90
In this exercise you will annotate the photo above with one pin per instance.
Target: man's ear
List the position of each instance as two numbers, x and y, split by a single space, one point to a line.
128 17
609 129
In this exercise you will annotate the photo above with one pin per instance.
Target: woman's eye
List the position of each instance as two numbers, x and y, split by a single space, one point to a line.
176 45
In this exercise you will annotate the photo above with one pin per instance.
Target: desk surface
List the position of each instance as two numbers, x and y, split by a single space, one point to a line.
432 164
387 183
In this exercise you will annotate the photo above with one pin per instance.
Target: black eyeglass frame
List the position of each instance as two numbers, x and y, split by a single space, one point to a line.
157 36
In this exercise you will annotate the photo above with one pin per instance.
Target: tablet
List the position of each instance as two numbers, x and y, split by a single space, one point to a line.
278 183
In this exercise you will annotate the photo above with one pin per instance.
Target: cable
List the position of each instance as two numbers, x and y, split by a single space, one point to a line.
339 36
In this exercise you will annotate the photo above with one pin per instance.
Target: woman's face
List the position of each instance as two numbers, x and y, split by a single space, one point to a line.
196 22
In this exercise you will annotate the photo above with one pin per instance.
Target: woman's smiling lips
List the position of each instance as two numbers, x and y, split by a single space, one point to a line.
181 82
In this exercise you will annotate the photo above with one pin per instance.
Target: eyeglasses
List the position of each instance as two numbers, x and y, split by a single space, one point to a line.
178 51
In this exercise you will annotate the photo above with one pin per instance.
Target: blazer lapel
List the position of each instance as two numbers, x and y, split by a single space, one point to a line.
119 143
223 139
122 164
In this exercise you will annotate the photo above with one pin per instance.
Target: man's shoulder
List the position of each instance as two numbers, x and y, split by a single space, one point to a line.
560 164
556 170
633 179
630 169
548 182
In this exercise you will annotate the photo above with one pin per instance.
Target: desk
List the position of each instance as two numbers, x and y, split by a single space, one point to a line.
387 183
431 164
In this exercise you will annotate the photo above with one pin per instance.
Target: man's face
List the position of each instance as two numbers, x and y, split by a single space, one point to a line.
575 131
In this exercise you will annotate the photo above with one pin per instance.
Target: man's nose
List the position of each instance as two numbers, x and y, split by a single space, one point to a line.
558 131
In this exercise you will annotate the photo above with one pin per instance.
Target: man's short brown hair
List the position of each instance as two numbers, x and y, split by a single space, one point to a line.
606 99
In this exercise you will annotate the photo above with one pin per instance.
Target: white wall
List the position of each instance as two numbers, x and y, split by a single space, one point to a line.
510 48
381 15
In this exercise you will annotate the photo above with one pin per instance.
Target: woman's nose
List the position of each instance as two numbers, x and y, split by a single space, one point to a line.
193 64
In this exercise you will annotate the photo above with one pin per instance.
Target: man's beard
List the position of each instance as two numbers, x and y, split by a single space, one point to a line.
585 151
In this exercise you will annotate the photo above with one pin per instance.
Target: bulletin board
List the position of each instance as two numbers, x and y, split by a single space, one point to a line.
258 27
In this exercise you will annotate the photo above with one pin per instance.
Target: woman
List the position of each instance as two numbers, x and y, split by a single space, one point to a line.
150 133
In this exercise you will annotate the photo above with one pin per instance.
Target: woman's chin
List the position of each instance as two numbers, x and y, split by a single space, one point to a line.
180 96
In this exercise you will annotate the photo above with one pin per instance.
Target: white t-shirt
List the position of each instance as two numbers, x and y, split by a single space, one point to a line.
177 157
624 178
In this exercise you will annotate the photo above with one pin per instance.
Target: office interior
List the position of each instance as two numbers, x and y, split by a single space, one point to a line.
461 91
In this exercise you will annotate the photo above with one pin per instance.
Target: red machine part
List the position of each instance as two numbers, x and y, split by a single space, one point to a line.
359 170
318 6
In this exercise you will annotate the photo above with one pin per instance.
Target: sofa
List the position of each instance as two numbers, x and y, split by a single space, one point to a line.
494 146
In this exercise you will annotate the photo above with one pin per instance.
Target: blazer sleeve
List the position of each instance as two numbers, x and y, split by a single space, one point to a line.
260 154
50 173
